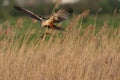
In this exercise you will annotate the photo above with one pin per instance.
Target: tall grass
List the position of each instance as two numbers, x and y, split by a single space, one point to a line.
78 54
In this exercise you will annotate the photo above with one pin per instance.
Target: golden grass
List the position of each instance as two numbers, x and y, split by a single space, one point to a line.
74 56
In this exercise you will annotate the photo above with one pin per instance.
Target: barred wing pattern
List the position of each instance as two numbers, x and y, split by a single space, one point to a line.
62 14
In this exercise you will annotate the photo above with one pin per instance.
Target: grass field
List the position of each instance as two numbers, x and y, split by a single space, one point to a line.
85 50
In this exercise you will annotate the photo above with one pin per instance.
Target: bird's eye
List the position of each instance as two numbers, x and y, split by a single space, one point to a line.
47 26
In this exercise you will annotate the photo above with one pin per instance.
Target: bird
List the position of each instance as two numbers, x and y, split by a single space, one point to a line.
57 17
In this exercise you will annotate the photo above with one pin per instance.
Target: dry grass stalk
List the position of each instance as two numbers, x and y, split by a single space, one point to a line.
72 57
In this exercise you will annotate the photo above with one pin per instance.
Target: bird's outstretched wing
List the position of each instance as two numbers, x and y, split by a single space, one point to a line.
29 13
62 15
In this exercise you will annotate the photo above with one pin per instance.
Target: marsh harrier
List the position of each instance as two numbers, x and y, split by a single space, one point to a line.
57 17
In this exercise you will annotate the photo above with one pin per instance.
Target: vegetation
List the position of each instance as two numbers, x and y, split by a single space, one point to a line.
106 6
88 48
77 53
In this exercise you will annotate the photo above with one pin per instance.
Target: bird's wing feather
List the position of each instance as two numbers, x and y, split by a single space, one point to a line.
27 12
62 15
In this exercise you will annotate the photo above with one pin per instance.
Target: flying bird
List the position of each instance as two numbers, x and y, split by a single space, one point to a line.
57 17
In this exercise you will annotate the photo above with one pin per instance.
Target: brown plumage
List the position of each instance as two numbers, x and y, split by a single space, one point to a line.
57 17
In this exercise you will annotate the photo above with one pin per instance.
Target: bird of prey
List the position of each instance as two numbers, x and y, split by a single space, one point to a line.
57 17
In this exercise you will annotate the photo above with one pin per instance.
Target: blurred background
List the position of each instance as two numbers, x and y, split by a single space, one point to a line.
44 7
